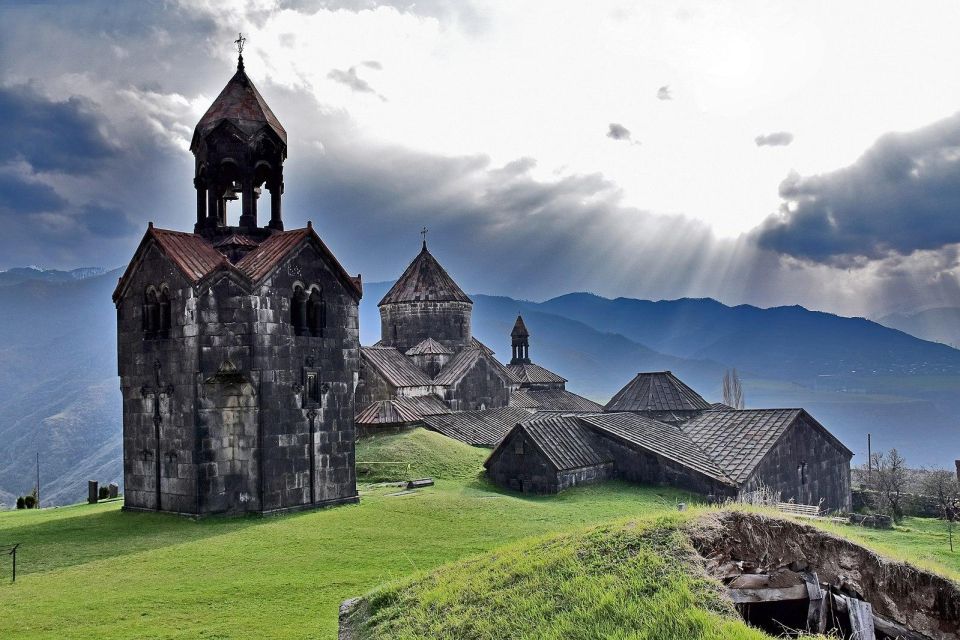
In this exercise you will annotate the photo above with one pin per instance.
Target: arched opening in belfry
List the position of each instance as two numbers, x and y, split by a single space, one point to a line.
298 310
230 189
316 312
165 316
150 313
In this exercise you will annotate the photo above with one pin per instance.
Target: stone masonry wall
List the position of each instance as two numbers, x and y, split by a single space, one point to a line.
140 362
827 472
480 388
404 325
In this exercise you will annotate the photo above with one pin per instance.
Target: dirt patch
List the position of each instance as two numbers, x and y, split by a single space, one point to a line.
738 543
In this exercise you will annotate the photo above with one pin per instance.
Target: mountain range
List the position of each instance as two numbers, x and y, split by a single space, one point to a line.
940 324
59 393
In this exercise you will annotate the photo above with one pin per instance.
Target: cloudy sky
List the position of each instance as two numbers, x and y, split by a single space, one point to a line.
756 152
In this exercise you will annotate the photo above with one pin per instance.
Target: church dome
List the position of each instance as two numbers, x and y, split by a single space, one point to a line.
425 281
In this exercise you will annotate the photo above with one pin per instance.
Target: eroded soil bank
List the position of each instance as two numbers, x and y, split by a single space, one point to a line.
736 543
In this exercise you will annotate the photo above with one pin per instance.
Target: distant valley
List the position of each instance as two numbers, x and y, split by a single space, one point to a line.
59 391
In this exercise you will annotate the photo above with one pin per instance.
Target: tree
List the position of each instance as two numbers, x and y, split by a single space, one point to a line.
732 389
21 503
889 480
942 485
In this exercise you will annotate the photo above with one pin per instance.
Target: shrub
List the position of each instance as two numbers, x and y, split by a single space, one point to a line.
21 503
103 493
30 501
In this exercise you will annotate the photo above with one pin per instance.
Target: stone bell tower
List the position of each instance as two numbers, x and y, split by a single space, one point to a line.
239 146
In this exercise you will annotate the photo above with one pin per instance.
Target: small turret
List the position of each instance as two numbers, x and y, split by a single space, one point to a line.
520 339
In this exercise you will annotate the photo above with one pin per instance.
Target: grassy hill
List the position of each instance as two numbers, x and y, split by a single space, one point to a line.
97 572
417 454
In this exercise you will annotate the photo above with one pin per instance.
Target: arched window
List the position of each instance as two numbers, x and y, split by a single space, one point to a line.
164 313
298 310
150 313
317 313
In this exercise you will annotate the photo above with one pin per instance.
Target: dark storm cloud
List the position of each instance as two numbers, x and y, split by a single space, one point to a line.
776 139
50 135
663 93
18 195
901 196
618 132
354 81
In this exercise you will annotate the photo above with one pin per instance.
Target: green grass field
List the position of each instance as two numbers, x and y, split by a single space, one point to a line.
96 572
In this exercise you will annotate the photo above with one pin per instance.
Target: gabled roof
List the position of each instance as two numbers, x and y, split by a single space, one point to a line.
461 364
401 410
519 329
428 347
739 440
395 367
484 428
534 374
657 437
552 400
242 105
564 442
197 258
719 406
425 280
657 391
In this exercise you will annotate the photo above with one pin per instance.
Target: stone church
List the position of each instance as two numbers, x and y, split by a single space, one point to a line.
238 344
427 346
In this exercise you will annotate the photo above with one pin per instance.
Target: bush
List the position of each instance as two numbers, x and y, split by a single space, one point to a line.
21 503
103 493
30 501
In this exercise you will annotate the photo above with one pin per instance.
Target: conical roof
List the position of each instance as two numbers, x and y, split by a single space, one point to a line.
519 329
657 391
425 281
241 104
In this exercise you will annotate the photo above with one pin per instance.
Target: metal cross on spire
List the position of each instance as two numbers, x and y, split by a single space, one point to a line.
240 41
423 232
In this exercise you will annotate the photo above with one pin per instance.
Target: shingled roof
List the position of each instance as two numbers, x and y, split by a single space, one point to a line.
552 400
198 258
428 347
657 437
657 391
461 364
401 410
242 105
564 442
395 367
484 428
738 440
534 374
425 281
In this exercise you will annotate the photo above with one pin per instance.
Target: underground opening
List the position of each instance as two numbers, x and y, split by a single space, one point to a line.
788 579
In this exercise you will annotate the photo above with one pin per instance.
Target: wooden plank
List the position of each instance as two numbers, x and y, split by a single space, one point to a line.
748 596
815 607
881 624
861 620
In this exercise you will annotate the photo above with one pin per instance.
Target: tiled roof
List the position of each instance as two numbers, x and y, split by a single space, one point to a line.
476 344
259 262
738 440
236 240
662 439
198 258
395 367
565 442
657 391
534 374
385 412
519 329
461 364
241 104
552 400
428 347
480 428
401 410
425 280
719 406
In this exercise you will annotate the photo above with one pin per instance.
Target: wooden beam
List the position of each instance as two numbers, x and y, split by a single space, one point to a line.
750 596
815 609
861 620
881 624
